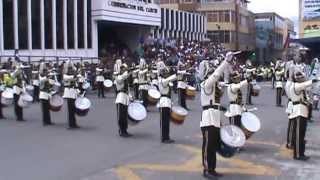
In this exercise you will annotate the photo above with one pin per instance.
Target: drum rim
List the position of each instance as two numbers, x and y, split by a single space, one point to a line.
84 99
175 107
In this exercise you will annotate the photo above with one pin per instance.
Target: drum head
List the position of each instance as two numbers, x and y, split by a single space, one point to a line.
86 85
232 136
250 121
8 93
27 97
191 88
107 83
29 87
154 93
137 111
180 110
56 100
83 103
57 84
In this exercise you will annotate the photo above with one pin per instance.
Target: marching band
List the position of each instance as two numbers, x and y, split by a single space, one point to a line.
152 83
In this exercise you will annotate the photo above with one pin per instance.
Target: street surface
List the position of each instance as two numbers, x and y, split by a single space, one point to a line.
30 151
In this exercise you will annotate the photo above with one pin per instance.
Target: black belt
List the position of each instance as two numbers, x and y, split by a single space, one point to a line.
233 102
218 107
296 103
143 83
126 92
168 96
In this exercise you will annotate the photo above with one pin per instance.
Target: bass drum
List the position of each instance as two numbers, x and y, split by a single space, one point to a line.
29 88
107 84
250 124
136 113
232 138
83 105
56 103
7 97
178 114
25 100
153 96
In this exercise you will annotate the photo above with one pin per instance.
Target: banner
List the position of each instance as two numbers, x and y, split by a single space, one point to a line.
311 9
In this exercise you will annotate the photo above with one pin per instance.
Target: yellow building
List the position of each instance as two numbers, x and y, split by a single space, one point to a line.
309 18
228 21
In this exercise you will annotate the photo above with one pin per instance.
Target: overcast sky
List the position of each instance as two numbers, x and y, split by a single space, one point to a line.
285 8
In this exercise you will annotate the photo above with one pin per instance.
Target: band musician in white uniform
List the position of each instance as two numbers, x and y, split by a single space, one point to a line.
165 103
299 113
122 100
211 116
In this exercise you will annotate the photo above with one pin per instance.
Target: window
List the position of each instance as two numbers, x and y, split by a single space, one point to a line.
162 17
181 25
23 24
226 16
172 19
48 24
167 18
177 20
80 24
70 24
36 28
8 24
59 24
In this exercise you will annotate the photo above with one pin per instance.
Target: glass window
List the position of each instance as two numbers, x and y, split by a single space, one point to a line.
48 24
226 16
185 22
36 28
70 22
177 20
181 20
167 18
59 24
8 24
23 24
89 24
80 24
172 19
162 17
226 37
189 22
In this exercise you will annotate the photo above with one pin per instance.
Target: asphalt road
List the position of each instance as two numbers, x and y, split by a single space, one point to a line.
30 151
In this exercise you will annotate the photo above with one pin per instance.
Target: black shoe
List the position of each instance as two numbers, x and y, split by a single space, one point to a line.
73 127
211 175
289 146
21 120
48 124
125 135
167 141
302 158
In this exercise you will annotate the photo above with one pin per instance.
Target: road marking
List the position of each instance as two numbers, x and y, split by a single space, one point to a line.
194 166
285 152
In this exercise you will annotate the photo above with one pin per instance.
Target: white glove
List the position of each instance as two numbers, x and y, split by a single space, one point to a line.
229 57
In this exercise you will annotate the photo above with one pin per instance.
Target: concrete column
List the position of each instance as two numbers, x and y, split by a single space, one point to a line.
85 24
54 24
15 24
29 25
75 23
42 24
65 25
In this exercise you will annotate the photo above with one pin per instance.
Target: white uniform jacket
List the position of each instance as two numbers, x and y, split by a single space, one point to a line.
181 84
232 91
143 79
69 92
278 75
211 116
297 94
122 96
43 94
287 90
164 88
99 77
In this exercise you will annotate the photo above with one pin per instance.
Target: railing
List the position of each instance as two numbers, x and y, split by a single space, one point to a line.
30 59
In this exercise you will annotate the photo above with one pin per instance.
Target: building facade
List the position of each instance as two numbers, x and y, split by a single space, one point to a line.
181 25
228 21
272 32
70 27
309 18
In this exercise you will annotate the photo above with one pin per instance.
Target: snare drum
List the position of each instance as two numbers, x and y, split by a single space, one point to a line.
7 97
255 90
178 114
25 100
83 105
29 88
136 112
232 138
250 124
107 84
56 103
191 92
153 96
